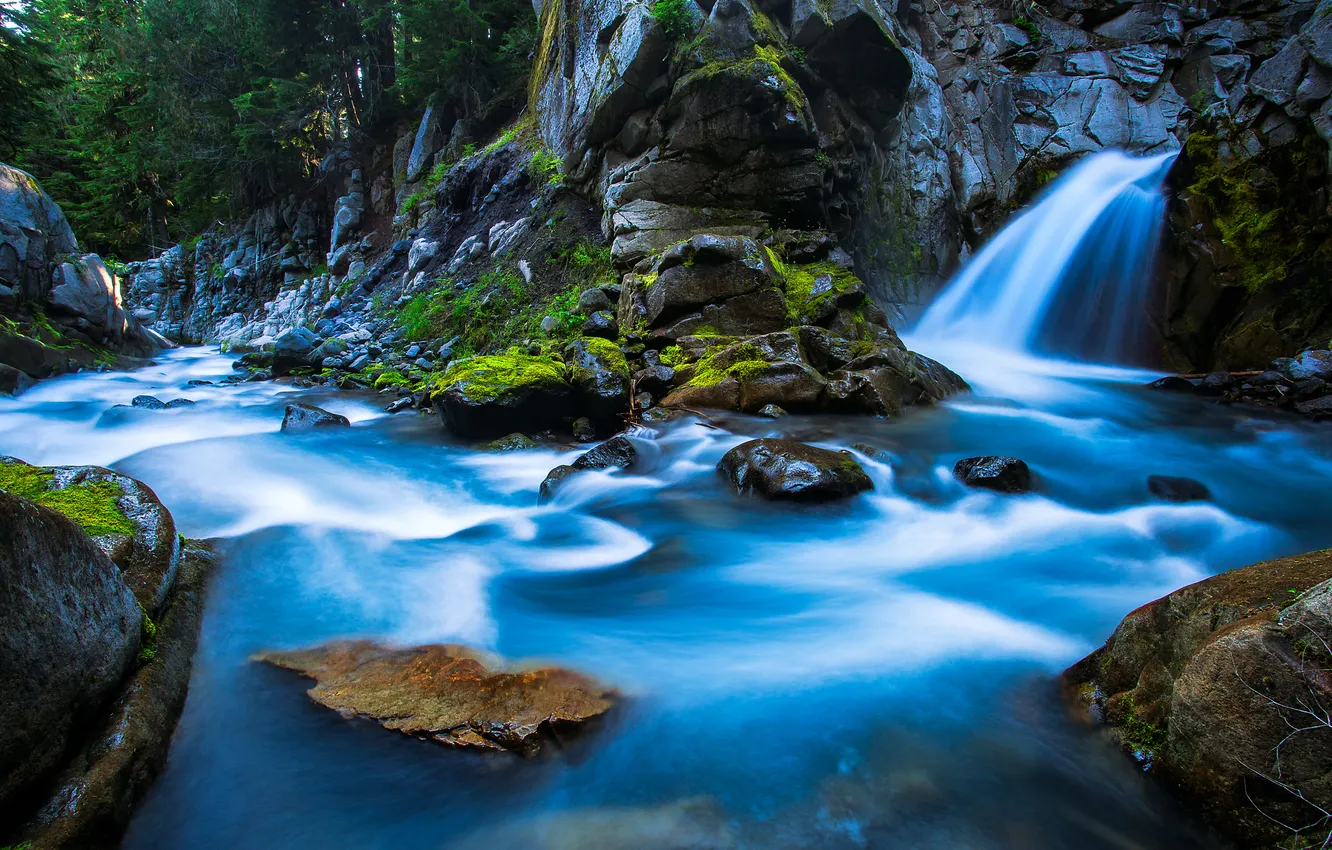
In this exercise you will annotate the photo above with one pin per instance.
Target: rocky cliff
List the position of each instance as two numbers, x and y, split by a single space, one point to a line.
905 134
60 310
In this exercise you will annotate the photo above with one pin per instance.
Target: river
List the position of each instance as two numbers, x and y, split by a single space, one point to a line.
872 674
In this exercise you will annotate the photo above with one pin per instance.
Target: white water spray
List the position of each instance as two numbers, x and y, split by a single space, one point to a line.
1069 277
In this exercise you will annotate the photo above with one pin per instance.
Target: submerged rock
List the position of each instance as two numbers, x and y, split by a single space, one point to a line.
148 402
448 694
1221 689
511 443
785 469
1001 474
69 633
618 452
307 417
1174 489
694 824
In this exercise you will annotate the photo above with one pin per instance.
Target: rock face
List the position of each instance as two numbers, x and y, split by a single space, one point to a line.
448 694
307 417
787 470
64 308
1221 689
71 631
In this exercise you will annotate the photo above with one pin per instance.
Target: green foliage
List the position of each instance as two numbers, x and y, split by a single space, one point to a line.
544 167
93 506
1262 207
425 192
674 17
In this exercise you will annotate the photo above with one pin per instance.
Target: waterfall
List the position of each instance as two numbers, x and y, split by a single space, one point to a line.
1071 276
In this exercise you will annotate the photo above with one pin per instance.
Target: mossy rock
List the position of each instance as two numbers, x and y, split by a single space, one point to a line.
123 516
494 395
791 471
600 376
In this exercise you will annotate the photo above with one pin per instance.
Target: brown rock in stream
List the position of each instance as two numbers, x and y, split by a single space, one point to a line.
445 693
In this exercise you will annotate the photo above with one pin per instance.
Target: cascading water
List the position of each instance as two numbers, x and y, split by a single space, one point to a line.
1071 276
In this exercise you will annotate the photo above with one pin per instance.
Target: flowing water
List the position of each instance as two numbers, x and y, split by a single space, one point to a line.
875 674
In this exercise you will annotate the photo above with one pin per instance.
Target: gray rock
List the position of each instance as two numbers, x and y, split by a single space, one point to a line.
306 417
1001 474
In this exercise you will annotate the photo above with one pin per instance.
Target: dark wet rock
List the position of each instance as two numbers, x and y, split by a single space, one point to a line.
1174 489
1208 684
1173 383
254 360
448 694
295 349
177 403
14 381
601 324
1215 384
616 453
1001 474
514 442
123 516
583 430
1319 408
656 378
148 402
489 396
599 373
306 417
69 633
771 411
592 301
98 791
1311 364
198 382
402 404
785 469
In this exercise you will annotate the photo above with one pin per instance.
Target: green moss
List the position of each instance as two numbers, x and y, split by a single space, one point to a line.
148 638
609 354
390 378
93 506
1263 206
1145 738
673 356
746 361
764 61
801 302
487 378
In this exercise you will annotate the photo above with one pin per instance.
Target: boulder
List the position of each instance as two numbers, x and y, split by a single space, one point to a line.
1220 690
616 453
295 349
785 469
599 373
1174 489
450 695
1172 383
489 396
1001 474
514 442
307 417
69 633
14 381
601 324
123 516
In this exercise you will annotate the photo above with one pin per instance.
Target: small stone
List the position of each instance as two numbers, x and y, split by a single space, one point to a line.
400 405
148 402
593 301
643 401
413 352
511 443
1001 474
549 324
359 363
601 324
771 411
1172 383
422 363
583 430
176 403
304 417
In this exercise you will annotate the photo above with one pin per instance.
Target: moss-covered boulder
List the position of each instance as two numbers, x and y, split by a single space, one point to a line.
787 470
123 516
69 632
449 694
485 397
1221 690
599 373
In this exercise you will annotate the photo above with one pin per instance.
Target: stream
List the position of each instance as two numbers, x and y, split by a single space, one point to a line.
872 674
